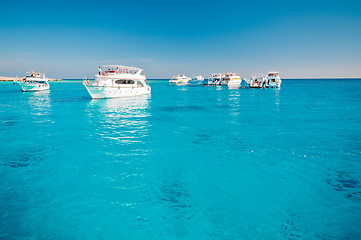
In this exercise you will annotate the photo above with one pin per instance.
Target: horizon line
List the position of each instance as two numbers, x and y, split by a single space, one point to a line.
333 78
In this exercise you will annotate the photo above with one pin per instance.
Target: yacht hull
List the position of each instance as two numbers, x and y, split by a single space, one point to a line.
255 86
274 85
234 83
27 87
179 83
97 92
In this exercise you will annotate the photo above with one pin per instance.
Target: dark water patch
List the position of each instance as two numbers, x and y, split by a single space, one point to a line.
201 138
204 136
175 195
8 121
289 231
190 108
24 158
7 124
222 106
346 183
177 198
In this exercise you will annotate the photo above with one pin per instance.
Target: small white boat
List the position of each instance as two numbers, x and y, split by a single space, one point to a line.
180 79
274 80
257 81
196 80
117 81
231 80
33 82
215 79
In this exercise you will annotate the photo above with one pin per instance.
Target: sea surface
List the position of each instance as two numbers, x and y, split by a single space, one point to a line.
182 163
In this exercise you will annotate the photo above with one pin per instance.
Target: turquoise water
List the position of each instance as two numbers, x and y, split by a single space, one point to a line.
183 163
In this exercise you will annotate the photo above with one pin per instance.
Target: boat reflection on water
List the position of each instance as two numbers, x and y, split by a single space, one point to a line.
234 101
277 99
121 120
234 86
125 107
39 103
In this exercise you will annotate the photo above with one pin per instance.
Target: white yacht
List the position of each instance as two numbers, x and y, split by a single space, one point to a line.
215 79
274 79
117 81
180 79
34 82
196 80
231 80
257 81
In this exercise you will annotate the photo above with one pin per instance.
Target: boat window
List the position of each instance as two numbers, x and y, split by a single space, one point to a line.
124 81
120 81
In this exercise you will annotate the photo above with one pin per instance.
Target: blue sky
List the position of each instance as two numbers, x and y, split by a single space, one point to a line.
70 39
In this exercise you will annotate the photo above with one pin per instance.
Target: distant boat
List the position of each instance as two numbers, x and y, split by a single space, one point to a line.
33 82
257 81
274 80
231 80
180 79
215 79
117 81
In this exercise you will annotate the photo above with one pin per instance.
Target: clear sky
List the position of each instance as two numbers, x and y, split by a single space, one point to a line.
70 39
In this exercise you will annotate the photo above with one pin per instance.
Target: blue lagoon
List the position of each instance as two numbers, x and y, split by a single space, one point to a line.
182 163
